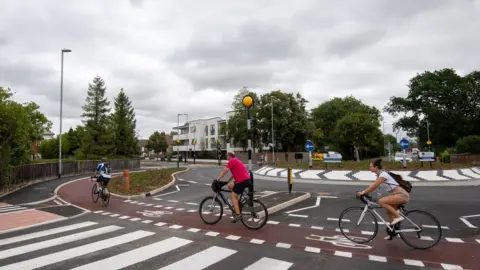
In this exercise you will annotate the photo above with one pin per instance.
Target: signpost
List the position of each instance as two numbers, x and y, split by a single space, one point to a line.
404 144
309 147
427 157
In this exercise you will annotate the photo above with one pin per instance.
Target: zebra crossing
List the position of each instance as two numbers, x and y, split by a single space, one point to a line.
11 208
91 244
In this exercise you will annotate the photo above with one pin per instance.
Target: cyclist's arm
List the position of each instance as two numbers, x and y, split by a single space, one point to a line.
222 174
373 186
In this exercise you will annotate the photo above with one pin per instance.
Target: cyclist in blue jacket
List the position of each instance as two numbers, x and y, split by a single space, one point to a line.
104 174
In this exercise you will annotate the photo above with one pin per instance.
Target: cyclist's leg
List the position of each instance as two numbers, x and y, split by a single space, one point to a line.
390 203
236 191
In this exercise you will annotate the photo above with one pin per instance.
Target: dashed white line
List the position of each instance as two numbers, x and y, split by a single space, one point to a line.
158 206
413 262
160 224
180 209
434 227
192 203
343 254
106 213
97 212
273 222
169 207
135 219
377 258
451 266
147 221
294 225
193 230
257 241
124 217
233 237
316 228
150 204
454 240
115 215
312 249
175 227
172 201
283 245
191 211
367 233
295 215
212 233
193 182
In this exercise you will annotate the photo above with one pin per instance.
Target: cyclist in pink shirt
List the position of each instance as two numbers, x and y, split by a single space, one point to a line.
242 180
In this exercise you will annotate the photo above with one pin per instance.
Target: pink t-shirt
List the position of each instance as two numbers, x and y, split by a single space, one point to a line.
238 170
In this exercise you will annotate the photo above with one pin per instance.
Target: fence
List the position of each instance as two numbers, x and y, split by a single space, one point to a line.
465 159
42 171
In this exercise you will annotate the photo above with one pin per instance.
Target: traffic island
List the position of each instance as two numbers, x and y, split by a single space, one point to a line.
281 200
143 184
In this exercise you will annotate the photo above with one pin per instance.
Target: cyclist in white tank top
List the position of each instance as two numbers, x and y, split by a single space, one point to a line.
396 194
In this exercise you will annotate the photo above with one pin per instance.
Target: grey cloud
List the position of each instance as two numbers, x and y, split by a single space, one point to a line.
347 44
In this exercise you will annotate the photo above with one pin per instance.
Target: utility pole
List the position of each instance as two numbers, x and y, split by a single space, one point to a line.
273 136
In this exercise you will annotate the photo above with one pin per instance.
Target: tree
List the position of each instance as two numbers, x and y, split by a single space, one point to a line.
357 128
124 124
395 146
20 127
443 100
96 136
290 119
326 117
157 143
469 144
237 124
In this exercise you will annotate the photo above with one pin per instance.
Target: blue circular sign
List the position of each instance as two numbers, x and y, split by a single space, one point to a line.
404 144
309 146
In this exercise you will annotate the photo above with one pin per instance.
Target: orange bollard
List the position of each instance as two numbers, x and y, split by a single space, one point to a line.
126 178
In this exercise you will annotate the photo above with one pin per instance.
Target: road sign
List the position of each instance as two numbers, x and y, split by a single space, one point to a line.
309 146
429 142
404 144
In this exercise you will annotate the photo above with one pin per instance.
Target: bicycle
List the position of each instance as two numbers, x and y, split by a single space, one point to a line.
242 201
370 207
104 195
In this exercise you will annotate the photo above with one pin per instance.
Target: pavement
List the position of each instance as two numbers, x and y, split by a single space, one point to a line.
304 233
365 175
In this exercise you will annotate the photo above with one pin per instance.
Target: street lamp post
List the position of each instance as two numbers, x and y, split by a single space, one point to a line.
61 111
178 138
273 136
248 102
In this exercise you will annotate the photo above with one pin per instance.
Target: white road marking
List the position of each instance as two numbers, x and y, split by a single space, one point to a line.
317 204
201 260
377 258
283 245
270 264
137 255
295 215
413 262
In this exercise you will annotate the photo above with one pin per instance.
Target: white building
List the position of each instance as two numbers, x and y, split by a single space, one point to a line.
206 132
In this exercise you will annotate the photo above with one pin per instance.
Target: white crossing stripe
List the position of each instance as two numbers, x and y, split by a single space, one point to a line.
56 241
45 233
201 260
137 255
451 266
11 209
77 251
270 264
413 262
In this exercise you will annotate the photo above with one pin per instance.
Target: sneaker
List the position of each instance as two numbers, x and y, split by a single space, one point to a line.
388 237
396 220
237 218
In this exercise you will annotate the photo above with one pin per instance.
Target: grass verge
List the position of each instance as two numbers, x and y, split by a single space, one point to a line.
364 164
143 182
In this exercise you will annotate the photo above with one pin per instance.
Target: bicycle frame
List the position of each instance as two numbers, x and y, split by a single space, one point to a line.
241 199
372 206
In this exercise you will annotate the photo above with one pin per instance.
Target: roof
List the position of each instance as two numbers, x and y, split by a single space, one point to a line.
186 125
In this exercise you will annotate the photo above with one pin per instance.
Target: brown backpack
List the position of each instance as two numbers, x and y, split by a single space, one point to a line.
403 183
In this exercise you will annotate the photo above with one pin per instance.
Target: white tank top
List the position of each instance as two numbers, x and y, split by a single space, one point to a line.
389 183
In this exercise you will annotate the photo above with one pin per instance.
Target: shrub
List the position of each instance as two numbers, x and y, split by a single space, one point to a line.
469 144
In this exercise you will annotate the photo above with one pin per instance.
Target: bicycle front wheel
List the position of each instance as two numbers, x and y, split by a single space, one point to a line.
208 207
258 214
95 195
106 196
358 226
420 229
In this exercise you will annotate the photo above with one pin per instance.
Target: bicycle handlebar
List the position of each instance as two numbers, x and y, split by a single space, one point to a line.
367 200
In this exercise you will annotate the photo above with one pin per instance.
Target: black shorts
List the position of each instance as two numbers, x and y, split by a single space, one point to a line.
103 179
238 188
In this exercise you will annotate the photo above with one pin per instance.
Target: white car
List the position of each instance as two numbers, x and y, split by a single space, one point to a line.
399 157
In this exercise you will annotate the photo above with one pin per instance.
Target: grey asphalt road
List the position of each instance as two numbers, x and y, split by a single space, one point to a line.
101 242
447 203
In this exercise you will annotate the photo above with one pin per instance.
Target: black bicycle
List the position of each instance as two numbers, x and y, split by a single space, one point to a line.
247 204
365 223
104 195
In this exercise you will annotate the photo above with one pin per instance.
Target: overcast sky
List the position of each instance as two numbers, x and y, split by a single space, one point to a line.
193 56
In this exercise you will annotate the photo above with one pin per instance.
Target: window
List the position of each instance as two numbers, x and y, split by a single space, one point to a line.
193 129
206 143
212 129
213 143
206 131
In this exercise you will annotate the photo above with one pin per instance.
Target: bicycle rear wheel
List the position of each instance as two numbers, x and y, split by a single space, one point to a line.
258 212
356 226
424 229
105 197
211 205
95 196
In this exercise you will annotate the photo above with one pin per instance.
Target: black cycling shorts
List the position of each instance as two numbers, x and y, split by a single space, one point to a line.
103 179
238 188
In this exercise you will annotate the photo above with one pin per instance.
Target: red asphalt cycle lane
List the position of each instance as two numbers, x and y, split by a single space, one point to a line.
325 241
